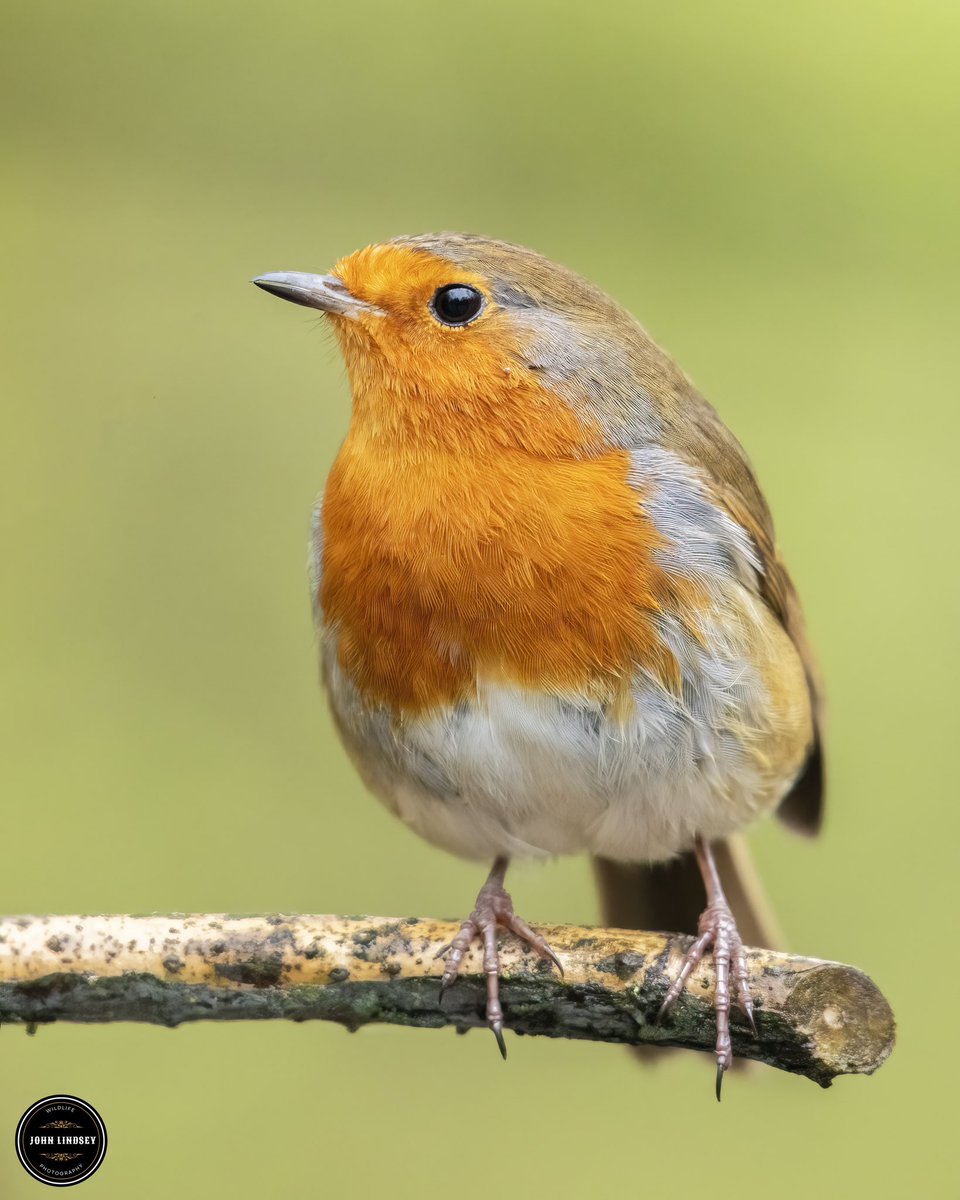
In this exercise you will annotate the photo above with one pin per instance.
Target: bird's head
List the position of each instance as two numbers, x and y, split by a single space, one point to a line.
456 339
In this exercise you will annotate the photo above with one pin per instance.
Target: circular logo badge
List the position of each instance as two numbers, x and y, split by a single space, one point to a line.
61 1140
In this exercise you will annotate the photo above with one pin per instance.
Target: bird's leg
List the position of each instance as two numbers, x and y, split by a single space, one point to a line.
493 908
718 929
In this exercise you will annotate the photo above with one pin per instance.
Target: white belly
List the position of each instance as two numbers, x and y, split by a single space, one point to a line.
522 773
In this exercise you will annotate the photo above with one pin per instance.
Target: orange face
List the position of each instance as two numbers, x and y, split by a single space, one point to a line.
423 382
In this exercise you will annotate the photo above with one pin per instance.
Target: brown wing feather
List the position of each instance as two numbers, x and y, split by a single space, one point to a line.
699 436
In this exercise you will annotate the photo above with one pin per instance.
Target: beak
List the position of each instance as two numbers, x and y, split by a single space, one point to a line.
326 292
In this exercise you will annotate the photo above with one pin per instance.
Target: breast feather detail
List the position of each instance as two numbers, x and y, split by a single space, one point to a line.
552 574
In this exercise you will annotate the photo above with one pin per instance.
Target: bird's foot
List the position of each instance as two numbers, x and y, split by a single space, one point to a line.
718 929
493 909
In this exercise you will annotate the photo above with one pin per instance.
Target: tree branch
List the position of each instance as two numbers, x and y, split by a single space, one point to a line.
818 1019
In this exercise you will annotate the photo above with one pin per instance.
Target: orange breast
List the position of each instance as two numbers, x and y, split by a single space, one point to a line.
440 568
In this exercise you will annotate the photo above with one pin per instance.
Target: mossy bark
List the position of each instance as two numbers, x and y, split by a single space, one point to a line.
818 1019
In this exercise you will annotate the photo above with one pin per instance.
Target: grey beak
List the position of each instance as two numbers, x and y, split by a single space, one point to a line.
326 292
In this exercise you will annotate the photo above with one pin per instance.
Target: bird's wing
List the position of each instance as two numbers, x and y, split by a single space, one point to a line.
697 435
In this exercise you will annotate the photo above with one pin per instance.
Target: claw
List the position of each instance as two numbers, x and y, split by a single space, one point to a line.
556 962
718 933
494 909
534 940
690 961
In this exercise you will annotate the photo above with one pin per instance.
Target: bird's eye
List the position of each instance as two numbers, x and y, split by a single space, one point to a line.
457 304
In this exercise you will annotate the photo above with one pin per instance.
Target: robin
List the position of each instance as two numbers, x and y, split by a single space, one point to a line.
552 613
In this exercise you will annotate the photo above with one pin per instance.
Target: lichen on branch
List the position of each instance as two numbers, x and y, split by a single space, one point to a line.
814 1018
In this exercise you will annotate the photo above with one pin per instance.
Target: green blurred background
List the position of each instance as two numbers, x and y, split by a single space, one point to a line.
773 190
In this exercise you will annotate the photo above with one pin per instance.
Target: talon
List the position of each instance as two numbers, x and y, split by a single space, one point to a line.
690 961
717 932
556 962
494 909
669 1000
537 943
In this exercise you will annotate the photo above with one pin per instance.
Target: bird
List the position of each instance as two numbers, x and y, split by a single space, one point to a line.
553 617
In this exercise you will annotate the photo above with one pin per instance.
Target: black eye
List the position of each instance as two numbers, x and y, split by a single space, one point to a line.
457 304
